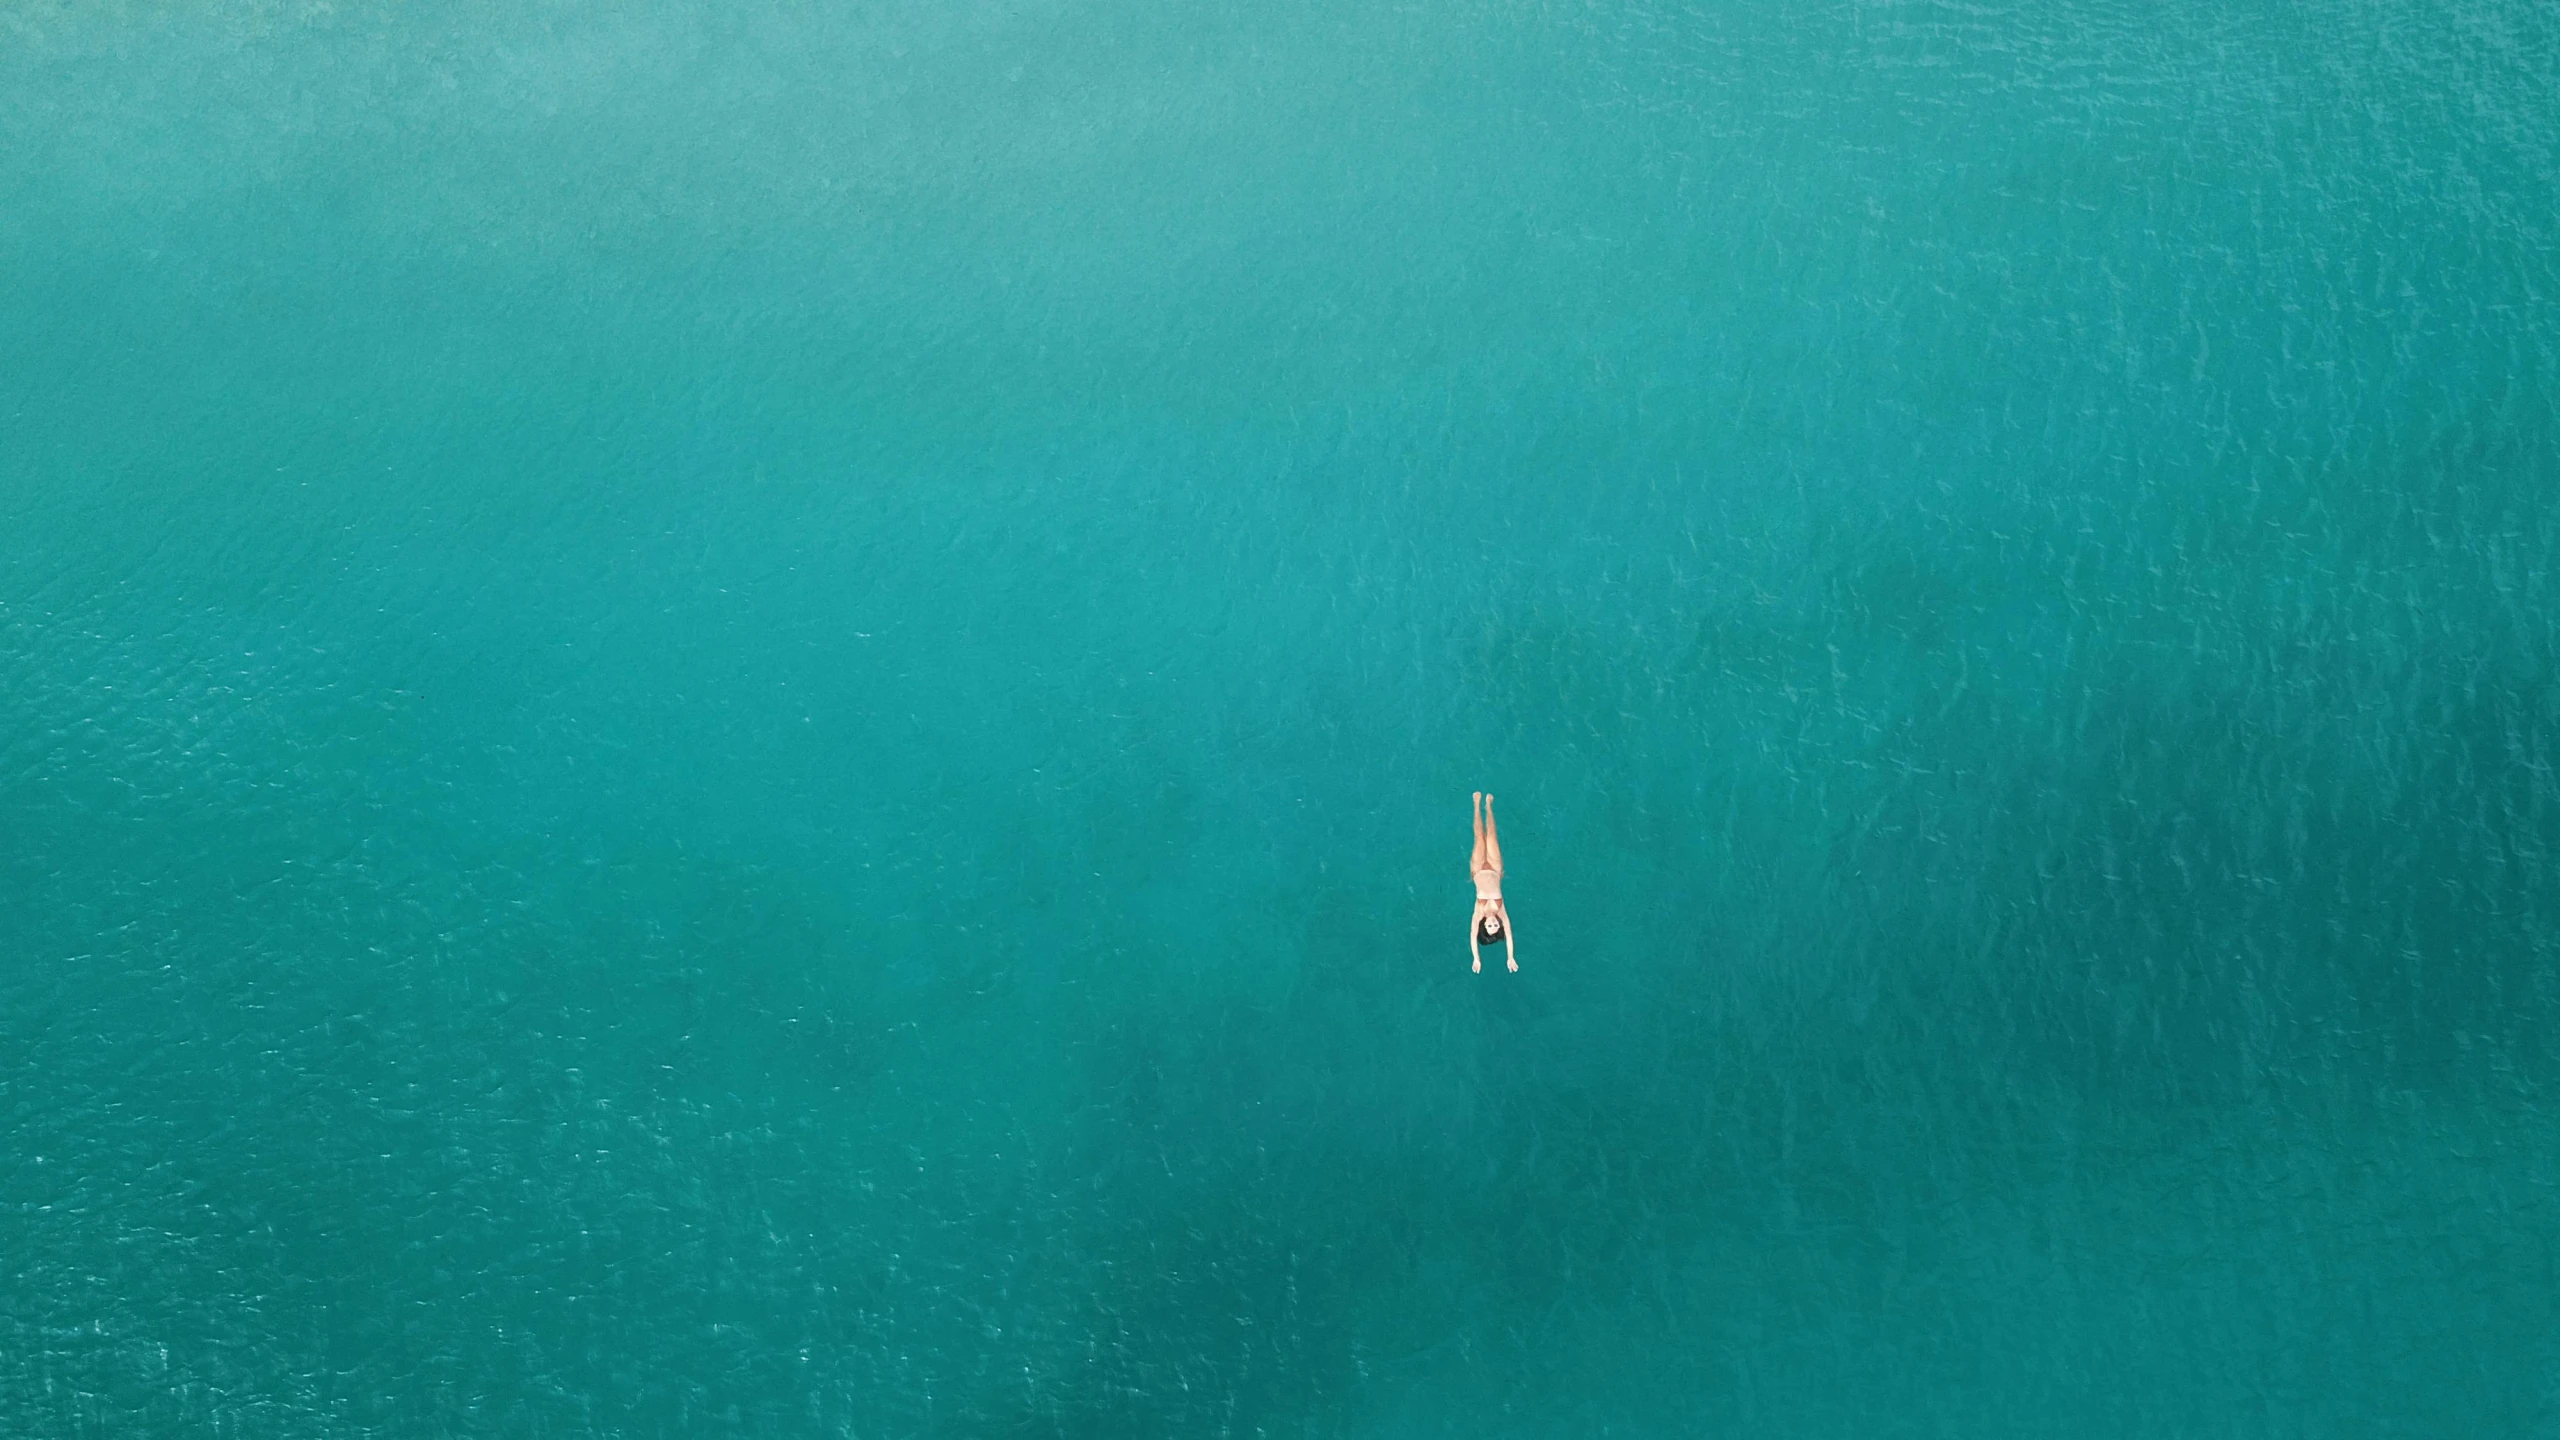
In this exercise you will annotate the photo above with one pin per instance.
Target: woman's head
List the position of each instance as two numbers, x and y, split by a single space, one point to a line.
1489 925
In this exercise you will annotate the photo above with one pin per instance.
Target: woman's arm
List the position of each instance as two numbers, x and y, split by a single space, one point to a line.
1475 957
1510 954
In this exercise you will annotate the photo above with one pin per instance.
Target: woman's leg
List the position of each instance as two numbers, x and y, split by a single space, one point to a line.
1492 840
1475 862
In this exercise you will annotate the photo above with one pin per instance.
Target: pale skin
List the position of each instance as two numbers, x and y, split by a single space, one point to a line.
1485 868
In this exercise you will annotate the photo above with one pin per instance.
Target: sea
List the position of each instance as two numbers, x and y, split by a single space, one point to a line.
756 719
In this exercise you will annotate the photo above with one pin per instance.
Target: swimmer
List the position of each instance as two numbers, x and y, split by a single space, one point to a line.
1491 924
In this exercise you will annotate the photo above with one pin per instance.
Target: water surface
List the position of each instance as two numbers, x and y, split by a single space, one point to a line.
755 720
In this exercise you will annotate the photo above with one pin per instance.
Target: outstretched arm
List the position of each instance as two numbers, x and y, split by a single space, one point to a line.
1510 953
1475 957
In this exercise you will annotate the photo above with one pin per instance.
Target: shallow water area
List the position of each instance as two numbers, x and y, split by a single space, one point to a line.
755 720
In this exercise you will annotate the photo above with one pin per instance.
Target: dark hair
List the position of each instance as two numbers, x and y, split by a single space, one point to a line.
1489 925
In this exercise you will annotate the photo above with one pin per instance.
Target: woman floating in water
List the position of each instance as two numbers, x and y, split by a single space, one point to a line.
1492 923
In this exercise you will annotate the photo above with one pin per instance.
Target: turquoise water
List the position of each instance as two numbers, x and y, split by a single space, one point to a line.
755 720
